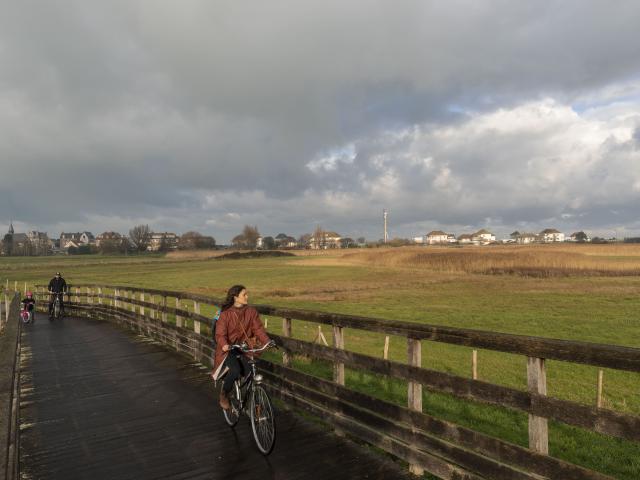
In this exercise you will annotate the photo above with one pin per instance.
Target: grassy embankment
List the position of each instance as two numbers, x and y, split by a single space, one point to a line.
580 292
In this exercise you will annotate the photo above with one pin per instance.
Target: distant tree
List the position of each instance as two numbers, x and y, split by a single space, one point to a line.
140 236
599 240
319 237
206 241
239 241
251 235
398 242
268 243
112 245
189 240
303 240
362 240
347 242
7 244
581 237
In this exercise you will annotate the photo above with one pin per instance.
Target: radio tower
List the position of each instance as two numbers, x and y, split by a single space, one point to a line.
384 216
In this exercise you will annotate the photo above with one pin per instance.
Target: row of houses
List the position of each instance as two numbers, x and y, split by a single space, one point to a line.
485 237
39 243
157 241
317 241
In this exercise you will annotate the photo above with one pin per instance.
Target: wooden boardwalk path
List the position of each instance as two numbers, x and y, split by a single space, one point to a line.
100 403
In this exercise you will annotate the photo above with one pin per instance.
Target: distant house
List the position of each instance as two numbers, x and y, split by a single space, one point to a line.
163 241
465 239
325 241
108 237
419 240
451 238
285 241
526 238
551 235
483 236
436 237
77 238
40 243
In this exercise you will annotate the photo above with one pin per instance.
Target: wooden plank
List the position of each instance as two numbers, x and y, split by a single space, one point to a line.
414 389
537 384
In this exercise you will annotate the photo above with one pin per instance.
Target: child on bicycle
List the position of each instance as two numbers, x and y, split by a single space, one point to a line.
238 323
29 303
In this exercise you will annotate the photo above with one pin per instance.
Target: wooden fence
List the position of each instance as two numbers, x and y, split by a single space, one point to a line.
9 384
427 443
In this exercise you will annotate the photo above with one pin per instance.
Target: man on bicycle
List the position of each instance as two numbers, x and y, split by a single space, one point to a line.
57 286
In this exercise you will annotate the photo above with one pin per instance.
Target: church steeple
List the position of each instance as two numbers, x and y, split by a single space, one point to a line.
11 231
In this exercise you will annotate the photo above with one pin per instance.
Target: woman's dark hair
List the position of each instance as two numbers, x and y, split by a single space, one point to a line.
233 292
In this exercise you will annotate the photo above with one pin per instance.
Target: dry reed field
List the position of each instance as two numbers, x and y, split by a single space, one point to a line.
533 260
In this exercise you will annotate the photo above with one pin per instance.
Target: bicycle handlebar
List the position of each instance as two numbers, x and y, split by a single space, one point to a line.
244 348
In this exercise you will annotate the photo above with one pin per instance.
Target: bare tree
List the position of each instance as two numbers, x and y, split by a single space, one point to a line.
190 240
140 236
251 235
319 237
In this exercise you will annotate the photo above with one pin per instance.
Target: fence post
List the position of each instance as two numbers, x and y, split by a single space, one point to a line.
196 323
100 295
474 364
133 297
537 384
142 306
414 393
152 310
286 332
116 293
164 305
385 352
599 389
338 367
179 322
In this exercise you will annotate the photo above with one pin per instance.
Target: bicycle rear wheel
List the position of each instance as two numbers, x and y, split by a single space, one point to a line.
262 420
232 415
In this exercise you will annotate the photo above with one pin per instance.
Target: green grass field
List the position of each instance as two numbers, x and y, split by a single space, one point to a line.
599 309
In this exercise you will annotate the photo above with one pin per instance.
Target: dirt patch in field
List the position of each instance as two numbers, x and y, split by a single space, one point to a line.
254 254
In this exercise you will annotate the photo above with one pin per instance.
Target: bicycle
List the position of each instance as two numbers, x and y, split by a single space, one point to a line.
26 315
248 394
56 313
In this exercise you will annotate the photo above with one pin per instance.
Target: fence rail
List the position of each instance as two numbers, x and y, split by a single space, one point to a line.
9 385
426 443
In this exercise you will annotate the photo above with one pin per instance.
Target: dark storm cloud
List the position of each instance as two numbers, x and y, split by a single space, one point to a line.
210 115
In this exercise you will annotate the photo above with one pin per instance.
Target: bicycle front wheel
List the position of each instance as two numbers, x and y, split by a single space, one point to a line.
262 420
232 415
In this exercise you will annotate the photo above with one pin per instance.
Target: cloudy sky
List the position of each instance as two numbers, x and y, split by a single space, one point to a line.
208 115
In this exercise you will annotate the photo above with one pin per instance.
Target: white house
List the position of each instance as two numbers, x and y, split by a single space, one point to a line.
327 240
526 238
436 237
550 235
419 240
465 238
163 241
484 236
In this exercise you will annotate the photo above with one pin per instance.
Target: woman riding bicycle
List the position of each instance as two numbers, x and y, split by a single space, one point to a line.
238 323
